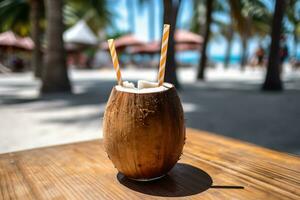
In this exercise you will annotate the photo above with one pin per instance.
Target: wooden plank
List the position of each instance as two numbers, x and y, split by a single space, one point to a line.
212 167
12 181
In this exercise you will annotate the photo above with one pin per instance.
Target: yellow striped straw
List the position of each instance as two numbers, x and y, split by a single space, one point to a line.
115 60
163 54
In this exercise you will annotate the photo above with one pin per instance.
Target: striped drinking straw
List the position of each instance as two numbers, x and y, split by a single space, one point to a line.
115 60
163 54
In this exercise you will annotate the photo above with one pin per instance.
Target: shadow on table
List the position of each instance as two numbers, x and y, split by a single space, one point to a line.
182 180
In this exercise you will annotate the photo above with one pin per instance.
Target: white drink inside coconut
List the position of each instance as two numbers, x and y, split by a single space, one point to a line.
144 129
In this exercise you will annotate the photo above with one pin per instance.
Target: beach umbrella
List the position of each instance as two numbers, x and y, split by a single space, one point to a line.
10 40
123 42
147 48
80 34
26 43
185 41
187 37
187 47
154 47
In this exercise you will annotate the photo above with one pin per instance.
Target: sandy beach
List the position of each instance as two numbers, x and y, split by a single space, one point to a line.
229 103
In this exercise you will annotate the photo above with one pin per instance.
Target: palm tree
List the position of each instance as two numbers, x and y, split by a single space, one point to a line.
199 25
225 29
242 24
170 17
18 15
228 32
249 17
273 81
55 76
15 15
198 19
94 12
36 32
202 63
292 12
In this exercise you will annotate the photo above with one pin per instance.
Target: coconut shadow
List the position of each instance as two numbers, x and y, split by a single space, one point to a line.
182 180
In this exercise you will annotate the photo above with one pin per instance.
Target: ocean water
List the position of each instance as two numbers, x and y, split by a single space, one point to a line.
216 59
186 58
193 58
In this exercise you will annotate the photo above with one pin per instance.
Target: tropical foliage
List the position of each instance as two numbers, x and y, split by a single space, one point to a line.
94 12
293 17
15 14
27 17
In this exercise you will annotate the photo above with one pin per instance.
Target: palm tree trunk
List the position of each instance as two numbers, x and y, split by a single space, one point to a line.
229 46
273 81
55 75
170 17
244 53
36 59
203 59
295 44
131 18
151 19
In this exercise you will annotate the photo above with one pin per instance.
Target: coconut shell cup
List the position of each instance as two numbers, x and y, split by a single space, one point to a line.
144 133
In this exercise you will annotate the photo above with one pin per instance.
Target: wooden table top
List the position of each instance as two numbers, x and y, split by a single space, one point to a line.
212 167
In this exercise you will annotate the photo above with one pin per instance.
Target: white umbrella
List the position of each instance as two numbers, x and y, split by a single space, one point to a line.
80 33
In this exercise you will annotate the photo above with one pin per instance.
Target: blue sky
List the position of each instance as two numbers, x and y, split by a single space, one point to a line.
120 20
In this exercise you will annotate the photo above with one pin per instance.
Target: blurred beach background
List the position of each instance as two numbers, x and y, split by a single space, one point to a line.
235 63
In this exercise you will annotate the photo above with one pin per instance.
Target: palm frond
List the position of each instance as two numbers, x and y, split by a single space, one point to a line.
14 15
95 13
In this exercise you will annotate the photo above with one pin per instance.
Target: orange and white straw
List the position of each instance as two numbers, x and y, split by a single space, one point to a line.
115 61
163 54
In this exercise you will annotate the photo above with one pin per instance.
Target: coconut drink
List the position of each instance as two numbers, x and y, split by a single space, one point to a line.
143 126
144 130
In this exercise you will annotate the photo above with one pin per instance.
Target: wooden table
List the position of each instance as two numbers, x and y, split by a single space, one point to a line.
212 167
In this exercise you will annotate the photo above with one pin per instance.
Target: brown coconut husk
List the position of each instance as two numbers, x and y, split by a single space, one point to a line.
144 133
